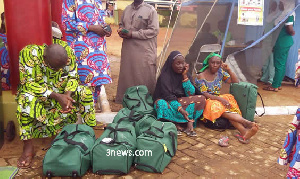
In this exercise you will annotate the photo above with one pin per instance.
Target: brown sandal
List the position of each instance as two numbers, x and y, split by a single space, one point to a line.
25 161
269 88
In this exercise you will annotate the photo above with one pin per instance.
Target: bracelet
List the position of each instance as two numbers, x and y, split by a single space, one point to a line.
179 108
185 80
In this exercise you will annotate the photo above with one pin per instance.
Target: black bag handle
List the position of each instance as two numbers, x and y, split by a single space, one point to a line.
172 134
148 166
118 172
114 130
262 102
152 134
133 106
72 142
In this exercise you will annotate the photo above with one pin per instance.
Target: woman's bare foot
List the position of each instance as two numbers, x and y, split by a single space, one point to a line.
28 153
251 132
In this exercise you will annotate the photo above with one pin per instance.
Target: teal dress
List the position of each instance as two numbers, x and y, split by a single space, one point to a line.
193 104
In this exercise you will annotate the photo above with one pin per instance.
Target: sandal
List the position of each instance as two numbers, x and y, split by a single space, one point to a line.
280 88
191 133
241 138
25 161
269 88
223 142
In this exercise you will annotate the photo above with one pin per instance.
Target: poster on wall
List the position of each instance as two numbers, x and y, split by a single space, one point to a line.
251 12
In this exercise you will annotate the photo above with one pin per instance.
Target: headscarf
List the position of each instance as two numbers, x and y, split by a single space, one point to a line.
205 62
169 83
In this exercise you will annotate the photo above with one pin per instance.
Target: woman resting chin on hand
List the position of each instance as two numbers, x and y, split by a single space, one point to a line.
174 95
209 82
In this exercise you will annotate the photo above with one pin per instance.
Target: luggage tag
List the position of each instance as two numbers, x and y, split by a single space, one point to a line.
107 140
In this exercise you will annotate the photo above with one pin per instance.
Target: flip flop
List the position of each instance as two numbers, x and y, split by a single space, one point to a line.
191 133
25 160
241 138
179 133
269 88
223 141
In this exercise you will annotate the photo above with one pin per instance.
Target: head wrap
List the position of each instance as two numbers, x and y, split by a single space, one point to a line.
205 62
169 83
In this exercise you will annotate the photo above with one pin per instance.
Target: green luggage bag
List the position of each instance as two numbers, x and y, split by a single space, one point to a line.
139 99
113 152
245 95
129 117
69 152
156 147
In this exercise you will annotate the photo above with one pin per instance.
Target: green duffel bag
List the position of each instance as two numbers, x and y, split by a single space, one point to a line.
113 152
245 95
139 121
139 99
156 147
69 152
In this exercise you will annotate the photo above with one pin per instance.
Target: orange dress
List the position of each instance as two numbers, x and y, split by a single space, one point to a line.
214 108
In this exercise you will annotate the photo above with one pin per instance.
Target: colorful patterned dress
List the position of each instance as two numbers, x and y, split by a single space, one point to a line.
214 108
38 115
194 105
90 48
5 72
291 148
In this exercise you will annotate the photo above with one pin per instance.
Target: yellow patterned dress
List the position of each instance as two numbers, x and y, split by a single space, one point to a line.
214 108
38 115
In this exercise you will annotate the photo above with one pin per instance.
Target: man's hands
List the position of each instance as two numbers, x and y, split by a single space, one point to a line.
124 35
98 29
65 101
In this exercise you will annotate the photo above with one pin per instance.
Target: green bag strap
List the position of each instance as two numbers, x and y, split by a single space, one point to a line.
149 132
262 102
102 172
172 134
132 117
148 166
114 130
133 99
152 133
72 142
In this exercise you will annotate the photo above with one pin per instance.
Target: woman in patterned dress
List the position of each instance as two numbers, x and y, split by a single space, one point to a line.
290 152
49 96
4 62
174 95
83 22
209 82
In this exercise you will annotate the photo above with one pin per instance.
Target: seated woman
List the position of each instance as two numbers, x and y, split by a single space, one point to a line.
209 82
174 95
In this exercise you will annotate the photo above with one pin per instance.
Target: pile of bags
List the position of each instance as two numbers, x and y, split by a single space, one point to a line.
134 137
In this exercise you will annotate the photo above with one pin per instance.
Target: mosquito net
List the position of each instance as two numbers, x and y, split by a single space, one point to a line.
243 32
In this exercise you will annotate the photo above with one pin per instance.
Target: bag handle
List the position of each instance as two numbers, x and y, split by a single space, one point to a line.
172 134
133 106
262 102
148 166
99 172
72 142
152 134
114 130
